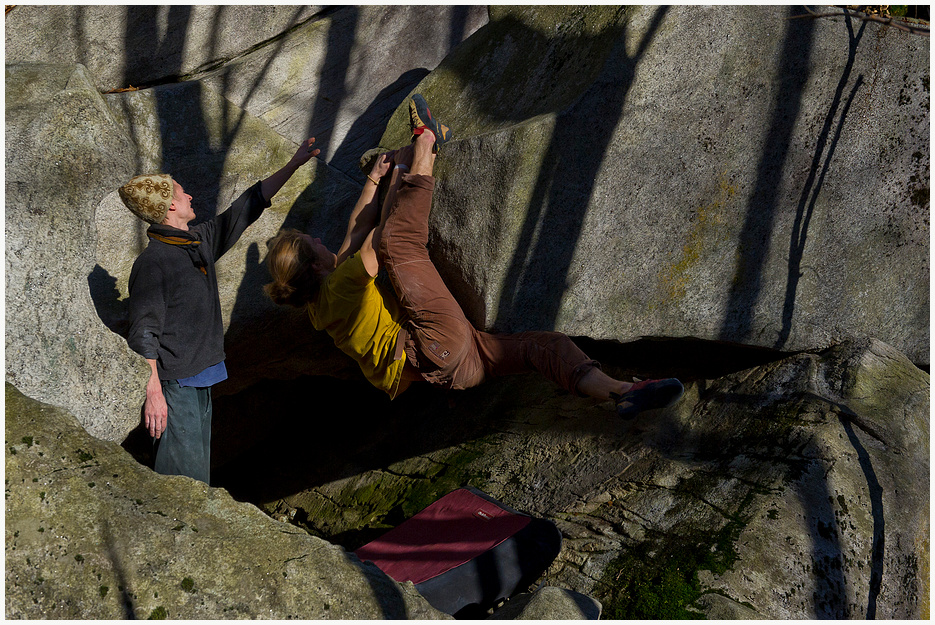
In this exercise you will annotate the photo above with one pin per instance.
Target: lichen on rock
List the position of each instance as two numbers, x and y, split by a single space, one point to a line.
90 533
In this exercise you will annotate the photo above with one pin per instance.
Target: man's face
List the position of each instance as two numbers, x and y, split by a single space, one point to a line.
182 203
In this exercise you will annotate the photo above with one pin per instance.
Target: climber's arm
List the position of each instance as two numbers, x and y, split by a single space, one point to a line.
368 249
366 214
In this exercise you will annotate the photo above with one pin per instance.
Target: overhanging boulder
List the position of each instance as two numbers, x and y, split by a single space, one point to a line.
710 198
732 173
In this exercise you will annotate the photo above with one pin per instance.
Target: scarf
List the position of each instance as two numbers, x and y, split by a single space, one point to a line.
183 239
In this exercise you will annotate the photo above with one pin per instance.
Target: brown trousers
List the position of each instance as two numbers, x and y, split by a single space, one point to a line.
442 344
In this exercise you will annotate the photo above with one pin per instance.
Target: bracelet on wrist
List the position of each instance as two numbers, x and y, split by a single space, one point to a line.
376 182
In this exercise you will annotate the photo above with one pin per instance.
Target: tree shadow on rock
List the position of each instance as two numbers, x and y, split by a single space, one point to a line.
813 184
143 33
774 436
764 204
367 129
531 294
335 67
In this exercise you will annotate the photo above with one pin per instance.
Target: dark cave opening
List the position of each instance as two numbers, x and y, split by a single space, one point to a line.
279 437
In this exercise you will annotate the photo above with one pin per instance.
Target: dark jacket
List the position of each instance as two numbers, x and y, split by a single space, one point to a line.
175 311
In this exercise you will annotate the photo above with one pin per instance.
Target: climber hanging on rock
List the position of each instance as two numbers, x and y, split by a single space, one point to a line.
420 333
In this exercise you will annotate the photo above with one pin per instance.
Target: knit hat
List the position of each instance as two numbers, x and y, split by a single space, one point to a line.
149 196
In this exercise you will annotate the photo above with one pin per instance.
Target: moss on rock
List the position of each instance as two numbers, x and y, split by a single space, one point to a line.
495 78
139 554
658 578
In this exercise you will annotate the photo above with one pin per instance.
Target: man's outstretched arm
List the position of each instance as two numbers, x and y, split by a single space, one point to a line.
274 183
222 232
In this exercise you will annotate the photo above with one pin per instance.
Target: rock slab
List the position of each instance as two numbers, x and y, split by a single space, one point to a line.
64 154
92 534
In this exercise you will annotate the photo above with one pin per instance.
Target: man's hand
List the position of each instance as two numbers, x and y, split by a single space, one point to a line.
155 410
306 151
274 183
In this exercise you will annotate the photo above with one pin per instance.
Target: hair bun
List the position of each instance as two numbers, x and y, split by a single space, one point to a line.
280 293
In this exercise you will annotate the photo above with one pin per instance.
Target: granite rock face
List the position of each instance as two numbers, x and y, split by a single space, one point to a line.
340 77
124 46
92 534
335 73
550 603
599 184
725 173
64 154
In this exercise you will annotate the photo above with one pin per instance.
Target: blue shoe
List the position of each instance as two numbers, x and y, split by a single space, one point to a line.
648 395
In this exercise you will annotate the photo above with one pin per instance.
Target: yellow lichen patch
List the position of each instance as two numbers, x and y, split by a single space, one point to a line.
706 222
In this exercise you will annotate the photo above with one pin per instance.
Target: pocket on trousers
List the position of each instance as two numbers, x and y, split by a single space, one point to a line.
442 340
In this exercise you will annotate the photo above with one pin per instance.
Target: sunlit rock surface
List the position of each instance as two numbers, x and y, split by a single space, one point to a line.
726 173
754 189
64 154
92 534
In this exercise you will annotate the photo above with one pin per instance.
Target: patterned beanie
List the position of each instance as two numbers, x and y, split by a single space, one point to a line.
148 197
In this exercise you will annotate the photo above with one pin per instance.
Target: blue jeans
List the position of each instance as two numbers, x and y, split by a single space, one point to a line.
185 446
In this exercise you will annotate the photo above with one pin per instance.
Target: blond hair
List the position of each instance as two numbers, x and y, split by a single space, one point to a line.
295 281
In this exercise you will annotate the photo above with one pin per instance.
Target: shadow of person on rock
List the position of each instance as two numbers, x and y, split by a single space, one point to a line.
111 309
